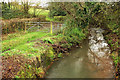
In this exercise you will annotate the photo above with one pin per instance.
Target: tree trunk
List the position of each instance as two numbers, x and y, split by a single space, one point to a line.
34 12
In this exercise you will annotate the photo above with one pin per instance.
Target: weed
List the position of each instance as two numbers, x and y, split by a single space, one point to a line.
48 40
60 55
12 43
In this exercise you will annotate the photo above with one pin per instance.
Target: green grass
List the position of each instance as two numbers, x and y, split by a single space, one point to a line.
26 49
16 41
39 12
1 18
22 47
13 35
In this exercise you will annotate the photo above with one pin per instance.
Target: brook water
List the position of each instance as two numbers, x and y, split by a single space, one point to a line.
90 61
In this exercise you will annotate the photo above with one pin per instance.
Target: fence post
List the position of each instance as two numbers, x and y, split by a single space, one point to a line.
6 28
25 26
51 28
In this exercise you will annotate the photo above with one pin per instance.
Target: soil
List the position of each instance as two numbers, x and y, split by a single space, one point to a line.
11 65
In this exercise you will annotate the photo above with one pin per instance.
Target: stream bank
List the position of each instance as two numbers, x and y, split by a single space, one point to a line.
55 47
113 40
91 61
36 56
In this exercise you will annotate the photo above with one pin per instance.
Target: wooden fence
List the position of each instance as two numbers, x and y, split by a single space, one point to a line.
50 26
14 25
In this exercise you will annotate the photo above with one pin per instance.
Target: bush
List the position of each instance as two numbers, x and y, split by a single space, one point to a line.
74 35
42 18
59 18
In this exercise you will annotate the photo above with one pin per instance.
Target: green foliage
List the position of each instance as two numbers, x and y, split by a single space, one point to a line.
9 13
50 53
60 55
79 17
14 10
2 54
60 35
14 35
76 34
115 59
12 43
17 77
56 10
28 70
38 12
41 13
48 40
59 18
30 55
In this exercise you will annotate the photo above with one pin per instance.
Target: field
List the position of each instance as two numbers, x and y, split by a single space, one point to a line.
17 39
39 12
33 38
22 47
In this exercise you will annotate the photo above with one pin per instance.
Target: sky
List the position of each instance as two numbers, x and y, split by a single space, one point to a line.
43 3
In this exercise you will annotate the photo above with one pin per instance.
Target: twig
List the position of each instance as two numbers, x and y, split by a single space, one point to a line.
97 56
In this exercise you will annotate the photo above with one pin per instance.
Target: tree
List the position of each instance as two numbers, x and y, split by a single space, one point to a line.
25 4
36 5
56 10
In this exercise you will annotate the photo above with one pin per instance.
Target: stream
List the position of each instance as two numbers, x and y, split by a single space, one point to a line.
90 61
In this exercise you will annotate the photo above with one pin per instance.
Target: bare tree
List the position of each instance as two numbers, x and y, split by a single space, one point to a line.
25 6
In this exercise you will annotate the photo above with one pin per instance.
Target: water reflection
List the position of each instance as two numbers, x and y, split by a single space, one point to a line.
91 61
99 52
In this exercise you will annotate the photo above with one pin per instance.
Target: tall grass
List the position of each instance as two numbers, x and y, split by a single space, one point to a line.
39 12
13 42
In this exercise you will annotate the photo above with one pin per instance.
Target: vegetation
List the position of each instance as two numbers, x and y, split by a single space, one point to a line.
33 52
41 12
14 10
91 14
13 42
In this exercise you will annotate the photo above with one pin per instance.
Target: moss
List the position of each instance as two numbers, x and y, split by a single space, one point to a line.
60 55
29 71
48 40
43 50
51 53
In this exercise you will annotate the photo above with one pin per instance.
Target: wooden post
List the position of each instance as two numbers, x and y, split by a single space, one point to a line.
10 28
17 26
13 27
25 27
51 28
61 26
6 28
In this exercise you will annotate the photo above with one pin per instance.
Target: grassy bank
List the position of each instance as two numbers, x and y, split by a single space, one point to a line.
13 42
113 40
41 12
17 13
32 53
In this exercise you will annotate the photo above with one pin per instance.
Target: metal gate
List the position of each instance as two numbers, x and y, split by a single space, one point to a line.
43 26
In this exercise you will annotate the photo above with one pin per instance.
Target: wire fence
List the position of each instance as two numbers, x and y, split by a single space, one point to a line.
44 26
30 26
15 25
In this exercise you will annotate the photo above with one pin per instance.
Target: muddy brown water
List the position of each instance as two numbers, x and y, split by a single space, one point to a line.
90 61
